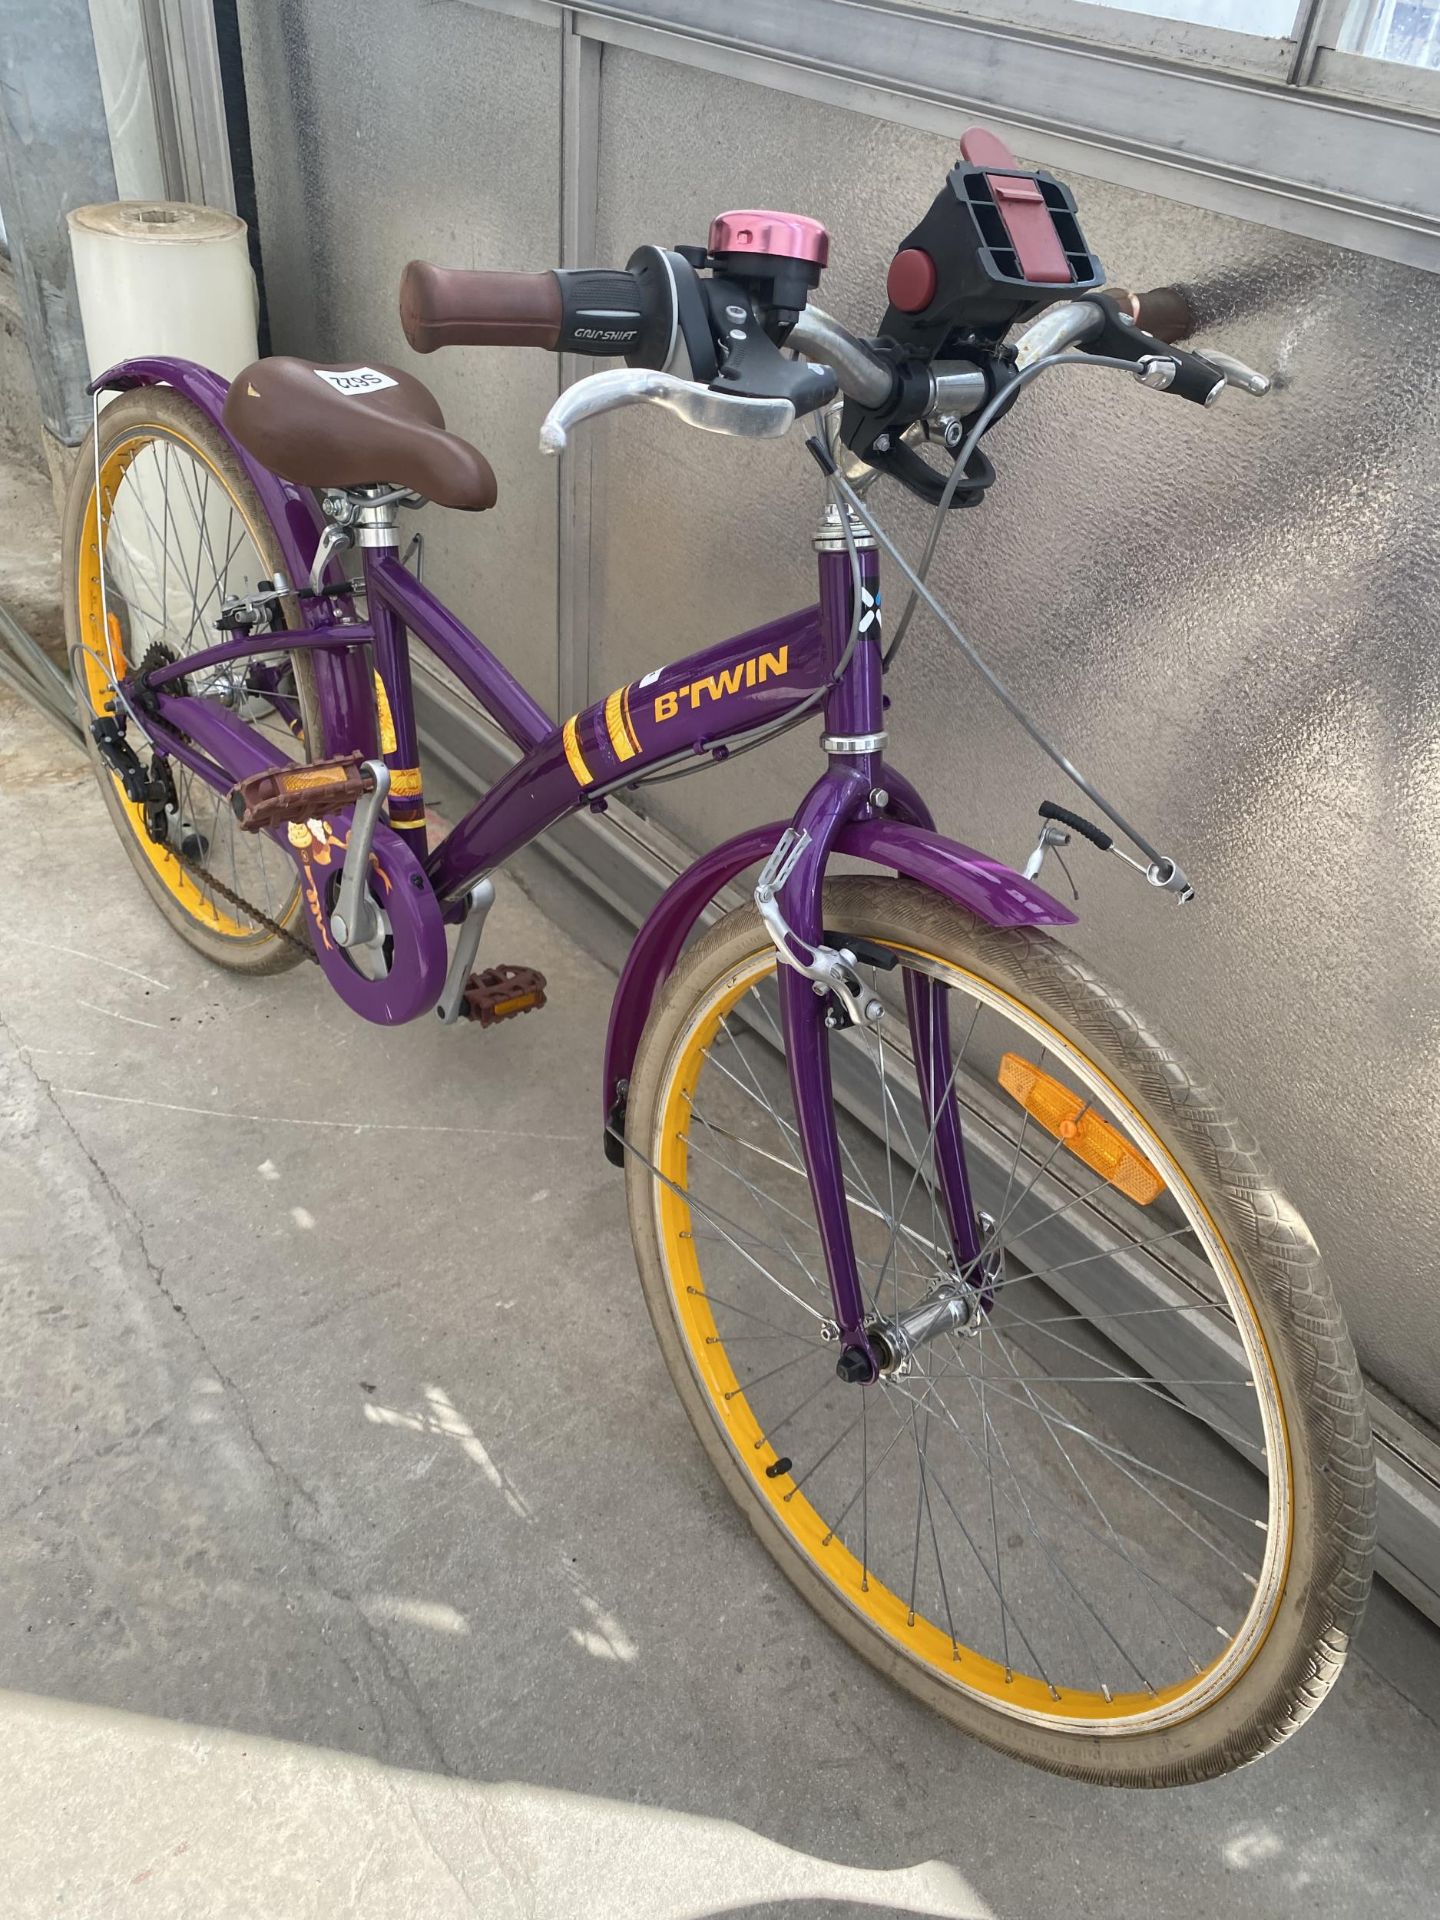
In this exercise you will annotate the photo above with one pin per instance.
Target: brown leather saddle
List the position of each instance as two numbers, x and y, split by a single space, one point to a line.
354 426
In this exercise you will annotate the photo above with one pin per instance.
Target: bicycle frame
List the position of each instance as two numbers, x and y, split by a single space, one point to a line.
686 711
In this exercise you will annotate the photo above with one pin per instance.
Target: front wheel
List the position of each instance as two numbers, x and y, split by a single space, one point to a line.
1120 1522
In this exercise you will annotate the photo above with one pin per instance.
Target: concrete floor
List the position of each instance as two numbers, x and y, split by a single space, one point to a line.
350 1572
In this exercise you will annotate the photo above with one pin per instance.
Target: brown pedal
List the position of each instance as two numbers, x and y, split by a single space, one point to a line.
298 792
499 993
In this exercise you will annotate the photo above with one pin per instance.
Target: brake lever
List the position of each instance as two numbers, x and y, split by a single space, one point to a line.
1076 321
1236 373
732 413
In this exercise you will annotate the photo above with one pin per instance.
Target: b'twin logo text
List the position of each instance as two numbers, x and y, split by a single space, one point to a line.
745 673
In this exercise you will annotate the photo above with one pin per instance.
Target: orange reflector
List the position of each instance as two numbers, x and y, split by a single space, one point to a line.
1091 1139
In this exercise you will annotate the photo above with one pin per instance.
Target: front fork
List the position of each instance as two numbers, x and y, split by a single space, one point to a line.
815 975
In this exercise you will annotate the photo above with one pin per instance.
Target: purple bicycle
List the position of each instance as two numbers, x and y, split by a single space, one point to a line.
987 1311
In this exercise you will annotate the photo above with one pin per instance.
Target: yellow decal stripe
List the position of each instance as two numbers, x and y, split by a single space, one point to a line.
634 737
384 716
615 726
404 783
573 754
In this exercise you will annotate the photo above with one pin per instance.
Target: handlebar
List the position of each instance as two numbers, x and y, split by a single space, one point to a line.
862 374
736 317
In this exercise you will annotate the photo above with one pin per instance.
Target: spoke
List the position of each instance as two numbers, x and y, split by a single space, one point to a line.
965 1531
719 1300
865 1490
115 536
1007 1214
788 1132
218 590
940 1106
164 548
745 1239
828 1381
790 1214
192 582
845 1149
1144 1383
759 1194
839 1441
1119 1379
198 503
1104 1517
719 1221
1057 1566
995 1529
1053 1419
1019 1149
919 1515
998 1385
788 1166
935 1541
134 493
890 1178
743 1390
1127 1313
1075 1200
1084 1259
867 1473
750 1339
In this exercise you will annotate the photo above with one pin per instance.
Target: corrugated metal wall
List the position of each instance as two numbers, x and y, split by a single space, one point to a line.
386 132
1227 617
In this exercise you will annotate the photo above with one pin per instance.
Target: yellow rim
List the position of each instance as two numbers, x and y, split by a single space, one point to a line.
919 1639
99 645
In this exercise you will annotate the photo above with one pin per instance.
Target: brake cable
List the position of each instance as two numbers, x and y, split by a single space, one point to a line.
1161 870
997 403
758 736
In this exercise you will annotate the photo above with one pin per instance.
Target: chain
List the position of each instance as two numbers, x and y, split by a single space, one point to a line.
228 894
161 655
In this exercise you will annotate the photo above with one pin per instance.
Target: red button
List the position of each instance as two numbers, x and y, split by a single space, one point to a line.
910 282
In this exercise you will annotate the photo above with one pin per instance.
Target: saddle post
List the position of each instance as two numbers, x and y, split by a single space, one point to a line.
378 537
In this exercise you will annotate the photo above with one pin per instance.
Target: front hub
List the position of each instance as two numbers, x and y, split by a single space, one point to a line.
955 1304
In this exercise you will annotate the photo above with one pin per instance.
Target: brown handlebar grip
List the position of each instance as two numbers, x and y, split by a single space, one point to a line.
451 307
1164 313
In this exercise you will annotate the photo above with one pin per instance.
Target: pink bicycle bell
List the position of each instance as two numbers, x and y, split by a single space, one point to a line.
779 256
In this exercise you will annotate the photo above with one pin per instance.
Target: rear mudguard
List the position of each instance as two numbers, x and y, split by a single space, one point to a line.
342 678
988 888
292 510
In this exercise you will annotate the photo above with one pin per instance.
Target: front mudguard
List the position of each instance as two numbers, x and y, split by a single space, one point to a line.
986 887
342 677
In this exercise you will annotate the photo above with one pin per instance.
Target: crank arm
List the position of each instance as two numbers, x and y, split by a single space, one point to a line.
355 919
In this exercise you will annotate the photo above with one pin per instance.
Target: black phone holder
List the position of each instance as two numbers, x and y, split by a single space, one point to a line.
999 243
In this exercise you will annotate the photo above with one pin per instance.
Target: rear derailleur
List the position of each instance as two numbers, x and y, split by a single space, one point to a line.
152 787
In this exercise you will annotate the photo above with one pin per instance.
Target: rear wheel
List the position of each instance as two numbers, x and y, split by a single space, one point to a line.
1120 1522
173 530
